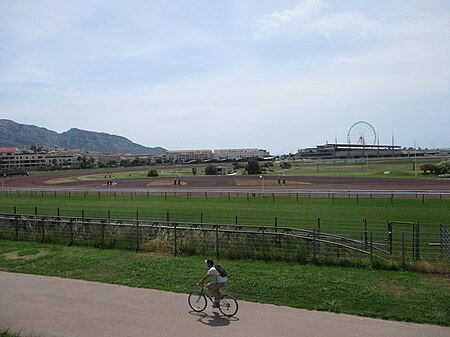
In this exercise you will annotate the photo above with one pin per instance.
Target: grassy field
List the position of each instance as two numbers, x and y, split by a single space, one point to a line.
393 295
374 167
340 214
342 217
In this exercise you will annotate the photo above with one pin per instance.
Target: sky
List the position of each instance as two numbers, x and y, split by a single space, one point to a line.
200 74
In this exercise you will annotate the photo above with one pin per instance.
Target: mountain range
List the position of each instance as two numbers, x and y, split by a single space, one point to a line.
16 135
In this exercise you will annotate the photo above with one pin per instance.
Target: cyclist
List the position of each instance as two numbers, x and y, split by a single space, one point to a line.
220 282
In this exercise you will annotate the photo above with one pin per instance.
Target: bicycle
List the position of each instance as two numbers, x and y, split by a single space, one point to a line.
197 300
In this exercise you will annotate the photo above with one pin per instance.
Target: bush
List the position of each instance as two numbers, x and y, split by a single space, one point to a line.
253 167
210 170
443 167
428 168
152 173
285 165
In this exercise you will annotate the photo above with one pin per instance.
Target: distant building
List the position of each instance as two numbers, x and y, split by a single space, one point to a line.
343 151
238 154
346 151
11 158
183 156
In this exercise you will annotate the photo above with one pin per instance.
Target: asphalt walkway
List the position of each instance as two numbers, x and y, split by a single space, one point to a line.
41 306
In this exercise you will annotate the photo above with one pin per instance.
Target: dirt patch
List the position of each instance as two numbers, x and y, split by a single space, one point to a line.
25 254
57 181
440 279
393 288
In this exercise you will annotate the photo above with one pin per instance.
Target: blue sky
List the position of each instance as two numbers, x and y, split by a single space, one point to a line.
279 75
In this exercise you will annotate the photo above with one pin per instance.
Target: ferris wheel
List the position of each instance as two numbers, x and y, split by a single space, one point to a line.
362 133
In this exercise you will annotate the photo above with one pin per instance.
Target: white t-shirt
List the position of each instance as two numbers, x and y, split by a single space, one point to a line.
214 271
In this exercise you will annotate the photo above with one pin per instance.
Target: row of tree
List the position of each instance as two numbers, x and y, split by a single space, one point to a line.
441 168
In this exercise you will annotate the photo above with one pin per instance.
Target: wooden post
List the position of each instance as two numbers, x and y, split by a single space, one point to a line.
175 239
137 235
371 248
43 230
314 245
417 242
17 227
71 232
102 244
403 250
217 242
389 237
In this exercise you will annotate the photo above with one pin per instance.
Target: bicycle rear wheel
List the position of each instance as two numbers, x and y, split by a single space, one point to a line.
197 301
228 305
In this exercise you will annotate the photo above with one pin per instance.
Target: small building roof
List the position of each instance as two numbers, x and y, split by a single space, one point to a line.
7 149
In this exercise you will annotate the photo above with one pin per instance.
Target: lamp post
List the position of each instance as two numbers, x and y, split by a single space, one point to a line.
262 182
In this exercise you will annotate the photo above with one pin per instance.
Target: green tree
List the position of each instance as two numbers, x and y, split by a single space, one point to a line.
210 170
152 173
253 167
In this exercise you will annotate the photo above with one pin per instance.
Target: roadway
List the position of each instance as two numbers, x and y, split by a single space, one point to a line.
41 306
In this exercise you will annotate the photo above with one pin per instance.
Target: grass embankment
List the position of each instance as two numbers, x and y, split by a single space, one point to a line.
393 295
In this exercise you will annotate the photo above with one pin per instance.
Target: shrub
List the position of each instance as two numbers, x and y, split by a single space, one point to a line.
152 173
443 167
428 168
253 167
210 170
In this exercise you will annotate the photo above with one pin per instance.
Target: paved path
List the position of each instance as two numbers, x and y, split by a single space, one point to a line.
48 306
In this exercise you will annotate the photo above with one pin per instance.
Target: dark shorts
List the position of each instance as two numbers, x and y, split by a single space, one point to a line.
216 285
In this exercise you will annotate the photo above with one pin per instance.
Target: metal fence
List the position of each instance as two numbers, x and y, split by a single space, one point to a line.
395 245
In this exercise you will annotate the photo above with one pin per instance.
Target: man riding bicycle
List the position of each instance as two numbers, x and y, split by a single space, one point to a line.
220 282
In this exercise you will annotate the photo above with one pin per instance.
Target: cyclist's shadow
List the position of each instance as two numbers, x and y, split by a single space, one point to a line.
214 320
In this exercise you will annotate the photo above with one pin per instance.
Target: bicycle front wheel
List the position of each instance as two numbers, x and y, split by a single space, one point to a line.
197 301
228 305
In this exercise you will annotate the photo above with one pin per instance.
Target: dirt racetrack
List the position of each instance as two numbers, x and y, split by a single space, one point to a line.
82 181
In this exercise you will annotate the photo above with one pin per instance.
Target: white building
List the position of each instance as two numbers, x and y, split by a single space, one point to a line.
10 158
238 154
182 156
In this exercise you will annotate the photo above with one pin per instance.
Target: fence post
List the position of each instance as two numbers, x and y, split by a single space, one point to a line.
17 227
137 235
102 244
15 210
371 248
58 212
236 219
365 232
314 245
389 237
175 239
217 241
167 216
201 217
43 230
403 250
417 241
263 241
71 232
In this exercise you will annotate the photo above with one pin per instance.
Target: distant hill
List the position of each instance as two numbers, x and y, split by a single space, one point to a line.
15 134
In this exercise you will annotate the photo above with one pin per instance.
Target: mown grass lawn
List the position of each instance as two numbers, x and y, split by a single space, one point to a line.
342 216
393 295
